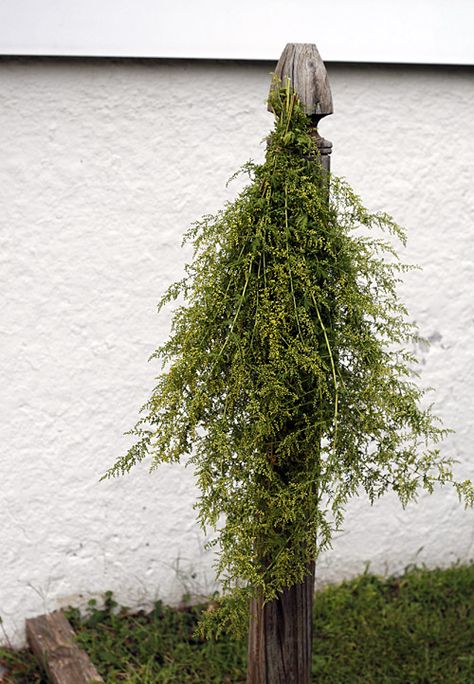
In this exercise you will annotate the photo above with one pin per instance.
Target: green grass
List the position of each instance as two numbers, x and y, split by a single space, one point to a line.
415 629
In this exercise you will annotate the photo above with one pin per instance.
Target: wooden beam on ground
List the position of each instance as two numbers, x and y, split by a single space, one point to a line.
51 638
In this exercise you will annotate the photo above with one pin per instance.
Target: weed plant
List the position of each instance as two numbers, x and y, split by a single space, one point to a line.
288 383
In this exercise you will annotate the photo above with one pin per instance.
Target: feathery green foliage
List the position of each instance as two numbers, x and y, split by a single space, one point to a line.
287 382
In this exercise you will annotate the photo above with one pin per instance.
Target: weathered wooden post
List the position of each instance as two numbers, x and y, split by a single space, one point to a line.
280 632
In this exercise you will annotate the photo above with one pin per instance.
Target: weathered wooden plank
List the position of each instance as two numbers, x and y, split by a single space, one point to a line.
51 638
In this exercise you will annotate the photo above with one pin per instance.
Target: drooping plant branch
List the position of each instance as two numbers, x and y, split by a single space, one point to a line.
288 383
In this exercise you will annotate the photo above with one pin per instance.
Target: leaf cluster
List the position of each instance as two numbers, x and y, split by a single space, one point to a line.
287 379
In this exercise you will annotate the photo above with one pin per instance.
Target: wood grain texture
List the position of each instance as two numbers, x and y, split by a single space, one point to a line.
301 63
280 636
51 638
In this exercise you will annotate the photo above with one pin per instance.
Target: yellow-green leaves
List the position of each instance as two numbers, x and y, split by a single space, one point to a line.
289 387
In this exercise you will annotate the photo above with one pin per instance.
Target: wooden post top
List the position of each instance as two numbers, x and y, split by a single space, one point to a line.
301 63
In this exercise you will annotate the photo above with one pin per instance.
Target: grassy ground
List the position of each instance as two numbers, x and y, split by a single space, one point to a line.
415 629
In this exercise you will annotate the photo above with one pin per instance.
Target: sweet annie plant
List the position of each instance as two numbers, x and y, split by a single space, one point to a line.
287 380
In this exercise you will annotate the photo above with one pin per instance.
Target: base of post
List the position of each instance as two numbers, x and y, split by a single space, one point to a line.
280 636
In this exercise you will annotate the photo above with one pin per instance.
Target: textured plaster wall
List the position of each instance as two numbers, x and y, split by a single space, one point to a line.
103 165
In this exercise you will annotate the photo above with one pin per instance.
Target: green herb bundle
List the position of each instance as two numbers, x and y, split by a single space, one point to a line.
288 383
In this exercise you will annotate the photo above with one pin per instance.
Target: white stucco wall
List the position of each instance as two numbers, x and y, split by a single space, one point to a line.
103 165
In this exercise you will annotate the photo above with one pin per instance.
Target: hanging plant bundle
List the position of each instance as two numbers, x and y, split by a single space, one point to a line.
288 383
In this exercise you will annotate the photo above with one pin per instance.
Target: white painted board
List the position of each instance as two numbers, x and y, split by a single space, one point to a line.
400 31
